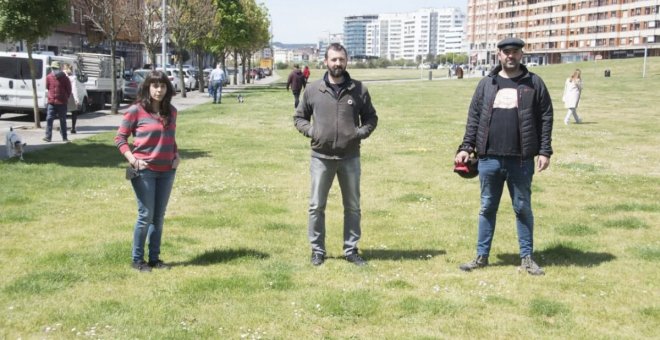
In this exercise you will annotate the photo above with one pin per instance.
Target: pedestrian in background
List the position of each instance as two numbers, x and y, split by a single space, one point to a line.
306 73
571 98
509 123
336 114
296 82
154 157
77 88
59 90
217 79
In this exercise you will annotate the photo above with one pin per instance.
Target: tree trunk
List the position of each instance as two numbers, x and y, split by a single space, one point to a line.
33 74
113 67
182 78
200 74
152 56
236 67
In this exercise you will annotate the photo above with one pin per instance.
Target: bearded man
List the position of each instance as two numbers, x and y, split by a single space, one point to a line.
336 114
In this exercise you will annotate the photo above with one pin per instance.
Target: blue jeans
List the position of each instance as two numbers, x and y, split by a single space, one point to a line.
323 172
152 191
55 111
517 173
217 91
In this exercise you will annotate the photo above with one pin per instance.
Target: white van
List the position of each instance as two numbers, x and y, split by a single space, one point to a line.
16 82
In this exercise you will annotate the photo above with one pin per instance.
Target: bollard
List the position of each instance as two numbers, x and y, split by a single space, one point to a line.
430 75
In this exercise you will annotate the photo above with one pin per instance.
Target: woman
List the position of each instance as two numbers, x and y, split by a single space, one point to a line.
571 98
154 154
76 89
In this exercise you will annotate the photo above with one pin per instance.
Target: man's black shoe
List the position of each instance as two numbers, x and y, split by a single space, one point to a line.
317 259
141 266
158 264
356 259
479 262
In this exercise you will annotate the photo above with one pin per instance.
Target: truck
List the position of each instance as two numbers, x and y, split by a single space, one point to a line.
98 69
16 95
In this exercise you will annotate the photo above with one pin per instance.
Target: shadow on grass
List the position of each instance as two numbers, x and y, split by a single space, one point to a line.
221 256
559 255
92 155
395 254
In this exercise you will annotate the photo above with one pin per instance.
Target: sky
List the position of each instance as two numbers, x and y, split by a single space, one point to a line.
304 21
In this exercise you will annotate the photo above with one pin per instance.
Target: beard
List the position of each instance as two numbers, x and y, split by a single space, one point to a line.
336 72
510 65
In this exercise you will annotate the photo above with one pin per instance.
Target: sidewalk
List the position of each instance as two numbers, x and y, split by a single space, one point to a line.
93 123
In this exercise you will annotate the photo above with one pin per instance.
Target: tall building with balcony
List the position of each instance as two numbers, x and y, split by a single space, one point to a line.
565 30
355 34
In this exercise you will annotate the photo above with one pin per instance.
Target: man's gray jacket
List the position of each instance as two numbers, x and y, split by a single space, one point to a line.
340 122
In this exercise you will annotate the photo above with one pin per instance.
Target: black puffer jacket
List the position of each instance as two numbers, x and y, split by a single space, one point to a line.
535 115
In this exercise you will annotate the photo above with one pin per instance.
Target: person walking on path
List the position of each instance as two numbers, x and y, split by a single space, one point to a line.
509 123
153 160
336 114
217 78
571 98
59 90
296 82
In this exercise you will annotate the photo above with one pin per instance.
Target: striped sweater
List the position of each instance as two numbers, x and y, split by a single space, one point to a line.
152 142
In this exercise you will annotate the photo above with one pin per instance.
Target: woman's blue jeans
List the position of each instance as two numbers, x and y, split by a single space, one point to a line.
517 173
323 172
152 191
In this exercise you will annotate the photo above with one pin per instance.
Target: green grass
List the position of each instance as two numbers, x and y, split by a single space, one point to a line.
235 228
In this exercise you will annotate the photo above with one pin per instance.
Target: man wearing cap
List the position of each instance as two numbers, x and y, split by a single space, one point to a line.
59 90
509 123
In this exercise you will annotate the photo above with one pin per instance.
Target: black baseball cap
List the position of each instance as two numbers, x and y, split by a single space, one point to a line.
510 42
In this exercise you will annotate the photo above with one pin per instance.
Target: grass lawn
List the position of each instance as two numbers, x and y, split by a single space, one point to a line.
236 227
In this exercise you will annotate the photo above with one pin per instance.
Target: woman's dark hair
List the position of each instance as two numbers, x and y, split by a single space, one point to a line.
144 97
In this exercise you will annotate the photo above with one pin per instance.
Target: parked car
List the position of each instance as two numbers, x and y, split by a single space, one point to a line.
190 79
132 84
173 78
189 82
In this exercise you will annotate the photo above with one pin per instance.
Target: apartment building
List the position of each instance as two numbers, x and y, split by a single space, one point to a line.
565 30
323 43
414 35
355 34
78 35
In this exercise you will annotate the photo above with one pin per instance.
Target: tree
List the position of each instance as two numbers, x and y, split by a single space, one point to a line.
110 18
256 29
230 32
188 21
31 21
147 25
